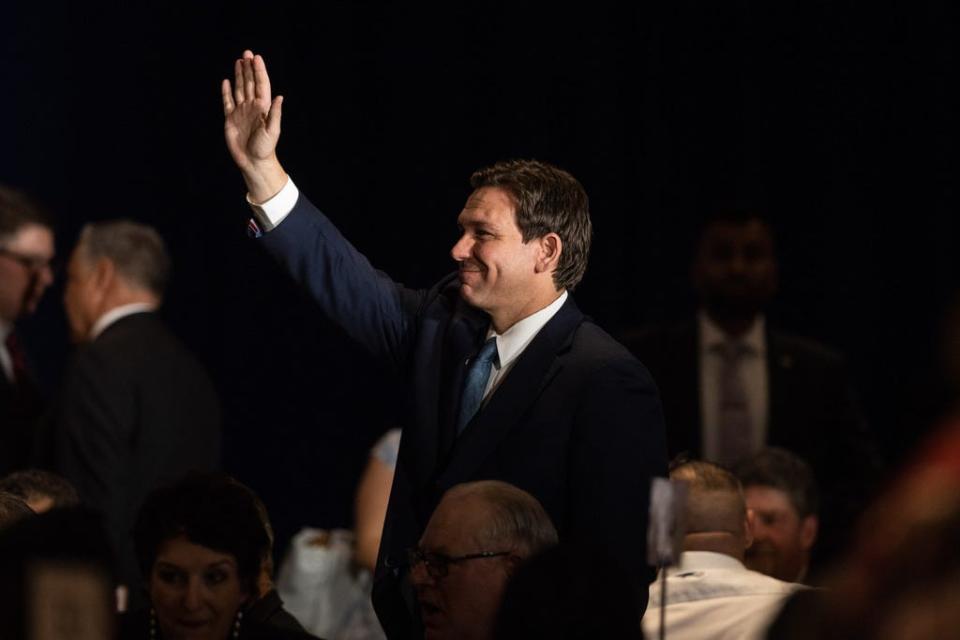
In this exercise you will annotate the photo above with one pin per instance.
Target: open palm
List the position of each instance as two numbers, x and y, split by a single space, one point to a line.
251 119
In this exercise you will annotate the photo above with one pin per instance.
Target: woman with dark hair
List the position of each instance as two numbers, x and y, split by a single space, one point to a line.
200 545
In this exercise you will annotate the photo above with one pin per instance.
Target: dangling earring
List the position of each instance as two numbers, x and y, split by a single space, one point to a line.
236 624
153 624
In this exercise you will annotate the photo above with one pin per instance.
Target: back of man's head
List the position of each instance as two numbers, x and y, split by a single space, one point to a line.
515 517
715 513
136 250
547 199
41 490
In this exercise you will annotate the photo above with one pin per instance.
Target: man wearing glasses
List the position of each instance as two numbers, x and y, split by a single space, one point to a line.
475 539
26 249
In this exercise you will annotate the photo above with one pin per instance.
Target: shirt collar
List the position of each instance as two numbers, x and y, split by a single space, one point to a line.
115 314
712 336
700 560
515 339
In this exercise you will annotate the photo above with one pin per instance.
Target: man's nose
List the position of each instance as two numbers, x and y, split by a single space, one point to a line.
461 250
45 276
419 576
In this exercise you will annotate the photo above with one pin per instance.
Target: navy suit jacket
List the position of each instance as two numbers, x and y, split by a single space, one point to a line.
577 422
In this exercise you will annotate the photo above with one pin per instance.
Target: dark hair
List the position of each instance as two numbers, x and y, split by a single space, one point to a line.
72 538
780 469
35 483
12 509
136 250
547 200
211 510
17 211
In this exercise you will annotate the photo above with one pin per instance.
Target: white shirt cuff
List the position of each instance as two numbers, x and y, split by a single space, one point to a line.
271 213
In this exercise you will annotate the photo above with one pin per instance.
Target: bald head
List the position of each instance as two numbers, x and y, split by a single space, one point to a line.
716 514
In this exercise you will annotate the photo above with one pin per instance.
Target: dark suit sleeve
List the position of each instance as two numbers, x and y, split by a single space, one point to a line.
365 302
618 446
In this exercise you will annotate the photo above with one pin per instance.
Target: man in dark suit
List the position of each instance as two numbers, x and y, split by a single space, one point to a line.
26 249
507 378
137 410
731 385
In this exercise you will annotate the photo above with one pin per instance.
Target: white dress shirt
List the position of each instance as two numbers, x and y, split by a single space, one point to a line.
510 345
515 339
713 596
753 369
115 314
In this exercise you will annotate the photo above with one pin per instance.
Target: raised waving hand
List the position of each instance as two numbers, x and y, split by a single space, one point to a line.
252 126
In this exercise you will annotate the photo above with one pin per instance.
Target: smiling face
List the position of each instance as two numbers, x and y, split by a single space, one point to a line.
195 591
781 538
463 604
499 272
25 271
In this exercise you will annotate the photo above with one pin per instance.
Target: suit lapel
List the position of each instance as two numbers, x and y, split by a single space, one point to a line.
779 364
531 373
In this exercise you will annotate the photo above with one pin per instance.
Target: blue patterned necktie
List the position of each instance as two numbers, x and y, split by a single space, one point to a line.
476 383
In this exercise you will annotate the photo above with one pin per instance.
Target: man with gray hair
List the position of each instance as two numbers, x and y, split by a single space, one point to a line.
710 593
475 539
137 410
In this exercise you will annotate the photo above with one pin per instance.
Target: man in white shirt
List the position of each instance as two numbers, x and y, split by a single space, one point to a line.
26 250
136 410
506 379
710 594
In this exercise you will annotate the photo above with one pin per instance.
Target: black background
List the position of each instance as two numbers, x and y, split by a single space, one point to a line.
837 117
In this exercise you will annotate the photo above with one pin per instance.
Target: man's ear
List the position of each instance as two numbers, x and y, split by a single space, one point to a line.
551 246
748 525
809 527
104 273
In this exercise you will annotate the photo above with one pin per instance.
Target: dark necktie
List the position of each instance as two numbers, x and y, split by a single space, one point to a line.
736 429
17 357
476 382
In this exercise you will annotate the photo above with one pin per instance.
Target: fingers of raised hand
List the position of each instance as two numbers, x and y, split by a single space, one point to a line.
238 81
249 85
227 92
261 80
273 118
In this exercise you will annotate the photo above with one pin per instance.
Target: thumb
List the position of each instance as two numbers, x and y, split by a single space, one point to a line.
273 117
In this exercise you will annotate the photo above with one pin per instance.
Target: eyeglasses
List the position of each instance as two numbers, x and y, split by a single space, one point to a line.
438 565
33 264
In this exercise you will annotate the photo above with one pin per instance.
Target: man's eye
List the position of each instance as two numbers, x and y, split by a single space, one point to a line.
437 559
